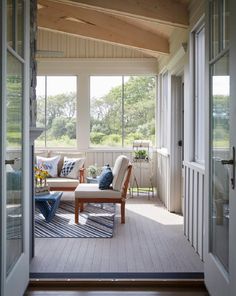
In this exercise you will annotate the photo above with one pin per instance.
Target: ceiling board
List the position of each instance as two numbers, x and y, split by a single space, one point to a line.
146 35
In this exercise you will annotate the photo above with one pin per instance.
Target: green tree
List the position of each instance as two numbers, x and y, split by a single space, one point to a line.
139 113
14 110
60 120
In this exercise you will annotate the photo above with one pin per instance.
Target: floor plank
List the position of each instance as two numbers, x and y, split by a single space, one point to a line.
152 240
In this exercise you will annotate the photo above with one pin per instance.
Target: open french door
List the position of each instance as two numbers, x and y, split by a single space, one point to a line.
220 235
14 146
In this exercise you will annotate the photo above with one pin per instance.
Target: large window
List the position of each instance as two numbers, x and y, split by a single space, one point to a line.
56 110
199 108
122 109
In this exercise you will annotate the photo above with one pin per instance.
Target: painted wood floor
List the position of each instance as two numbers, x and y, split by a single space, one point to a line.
152 240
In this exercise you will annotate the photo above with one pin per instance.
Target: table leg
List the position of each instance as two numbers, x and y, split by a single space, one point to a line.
81 207
54 206
76 211
44 207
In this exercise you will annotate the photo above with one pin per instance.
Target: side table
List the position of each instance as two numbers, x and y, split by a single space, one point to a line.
92 180
48 204
142 177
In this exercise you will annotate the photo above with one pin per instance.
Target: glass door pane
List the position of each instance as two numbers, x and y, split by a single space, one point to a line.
220 149
10 23
14 208
20 28
215 28
225 23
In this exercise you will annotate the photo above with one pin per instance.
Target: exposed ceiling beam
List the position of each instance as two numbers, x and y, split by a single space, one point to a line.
99 26
169 12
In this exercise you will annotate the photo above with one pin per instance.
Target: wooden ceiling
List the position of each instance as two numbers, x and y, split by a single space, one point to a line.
145 25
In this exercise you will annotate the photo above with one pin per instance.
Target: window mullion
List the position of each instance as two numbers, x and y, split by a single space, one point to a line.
14 39
45 118
122 110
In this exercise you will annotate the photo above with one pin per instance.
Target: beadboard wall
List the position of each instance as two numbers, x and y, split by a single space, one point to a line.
163 177
144 172
68 46
193 188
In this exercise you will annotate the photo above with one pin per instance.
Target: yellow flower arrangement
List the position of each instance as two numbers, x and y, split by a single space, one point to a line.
40 176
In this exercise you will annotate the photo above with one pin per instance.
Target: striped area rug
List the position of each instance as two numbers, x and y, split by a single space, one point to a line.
95 222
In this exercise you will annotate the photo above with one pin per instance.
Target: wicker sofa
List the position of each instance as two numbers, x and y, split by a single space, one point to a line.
63 183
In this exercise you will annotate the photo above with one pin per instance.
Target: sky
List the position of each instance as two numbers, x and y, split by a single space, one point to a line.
56 85
100 85
220 85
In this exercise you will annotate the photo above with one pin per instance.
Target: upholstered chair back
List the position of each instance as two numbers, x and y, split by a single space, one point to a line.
119 172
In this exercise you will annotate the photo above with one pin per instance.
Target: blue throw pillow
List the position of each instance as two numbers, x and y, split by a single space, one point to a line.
105 178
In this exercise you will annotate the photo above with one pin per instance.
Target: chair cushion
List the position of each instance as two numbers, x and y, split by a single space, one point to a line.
87 190
62 182
48 164
105 178
71 167
119 170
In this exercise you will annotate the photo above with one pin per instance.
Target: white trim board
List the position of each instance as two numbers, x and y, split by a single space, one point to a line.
68 66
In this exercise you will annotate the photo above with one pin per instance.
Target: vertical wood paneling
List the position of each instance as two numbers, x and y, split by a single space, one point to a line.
193 205
102 157
195 209
191 187
75 47
108 159
201 218
185 199
200 221
163 175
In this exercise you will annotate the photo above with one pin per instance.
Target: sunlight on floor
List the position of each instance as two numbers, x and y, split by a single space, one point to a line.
153 209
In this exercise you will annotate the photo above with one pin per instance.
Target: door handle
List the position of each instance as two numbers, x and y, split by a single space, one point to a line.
11 161
225 161
231 162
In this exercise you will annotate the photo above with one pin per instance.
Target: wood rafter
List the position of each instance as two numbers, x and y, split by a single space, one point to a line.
99 26
171 12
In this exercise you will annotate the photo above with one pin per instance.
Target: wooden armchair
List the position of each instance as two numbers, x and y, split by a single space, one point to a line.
90 193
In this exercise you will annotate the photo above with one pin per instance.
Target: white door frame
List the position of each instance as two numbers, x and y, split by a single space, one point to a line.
218 281
232 230
175 149
16 282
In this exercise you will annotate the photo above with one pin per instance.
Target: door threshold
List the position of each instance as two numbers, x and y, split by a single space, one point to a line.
116 279
116 275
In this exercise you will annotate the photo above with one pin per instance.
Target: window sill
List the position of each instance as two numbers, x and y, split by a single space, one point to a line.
195 165
163 152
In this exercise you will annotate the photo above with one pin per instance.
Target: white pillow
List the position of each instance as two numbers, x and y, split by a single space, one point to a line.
48 164
71 167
